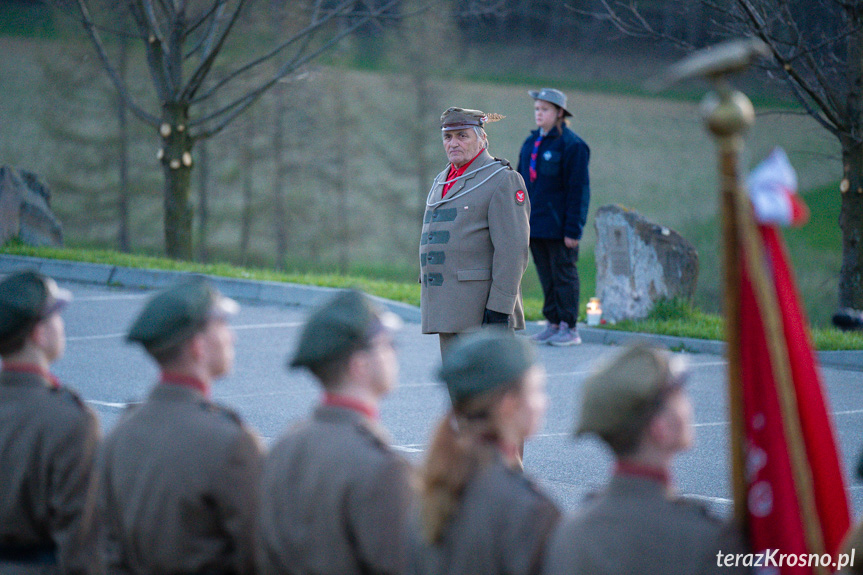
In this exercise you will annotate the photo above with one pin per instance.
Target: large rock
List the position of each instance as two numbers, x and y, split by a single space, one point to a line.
639 262
25 210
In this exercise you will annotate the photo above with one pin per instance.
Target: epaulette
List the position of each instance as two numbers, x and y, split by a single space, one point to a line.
695 505
376 435
221 410
68 394
504 162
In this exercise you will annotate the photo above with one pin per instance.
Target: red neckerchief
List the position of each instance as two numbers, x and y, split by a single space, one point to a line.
15 367
337 400
639 470
173 378
456 172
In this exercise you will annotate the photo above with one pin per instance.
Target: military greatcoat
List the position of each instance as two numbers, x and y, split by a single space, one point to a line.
502 525
48 442
636 527
474 248
180 477
334 499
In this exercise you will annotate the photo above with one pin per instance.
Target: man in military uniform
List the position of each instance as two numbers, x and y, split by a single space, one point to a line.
180 473
475 235
334 495
48 439
635 402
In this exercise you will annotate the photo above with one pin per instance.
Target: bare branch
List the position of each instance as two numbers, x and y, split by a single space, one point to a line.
798 80
305 33
212 15
109 67
197 78
235 108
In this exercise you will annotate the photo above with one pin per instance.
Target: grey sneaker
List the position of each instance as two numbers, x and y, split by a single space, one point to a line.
565 336
544 335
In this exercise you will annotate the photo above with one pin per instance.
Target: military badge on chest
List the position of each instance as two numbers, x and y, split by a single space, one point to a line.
519 197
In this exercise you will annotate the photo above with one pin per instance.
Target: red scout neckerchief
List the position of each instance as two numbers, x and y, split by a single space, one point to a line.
639 470
532 168
15 367
455 173
172 378
337 400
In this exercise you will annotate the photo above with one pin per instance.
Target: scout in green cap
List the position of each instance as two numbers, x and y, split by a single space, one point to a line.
181 473
636 403
48 438
472 478
334 495
474 242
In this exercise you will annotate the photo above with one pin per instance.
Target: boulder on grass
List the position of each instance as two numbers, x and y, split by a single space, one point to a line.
638 263
25 210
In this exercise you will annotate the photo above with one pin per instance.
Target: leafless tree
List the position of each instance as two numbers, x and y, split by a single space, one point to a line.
817 49
182 41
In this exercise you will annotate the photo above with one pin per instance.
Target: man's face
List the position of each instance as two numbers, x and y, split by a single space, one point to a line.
54 336
677 417
383 364
534 401
218 339
461 146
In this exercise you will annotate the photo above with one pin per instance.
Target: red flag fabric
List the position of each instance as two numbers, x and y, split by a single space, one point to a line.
795 496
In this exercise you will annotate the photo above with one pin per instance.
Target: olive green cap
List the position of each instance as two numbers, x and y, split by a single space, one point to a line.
460 118
625 385
27 297
483 362
347 322
174 315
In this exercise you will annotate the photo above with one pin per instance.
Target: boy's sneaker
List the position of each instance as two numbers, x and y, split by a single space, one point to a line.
565 336
543 336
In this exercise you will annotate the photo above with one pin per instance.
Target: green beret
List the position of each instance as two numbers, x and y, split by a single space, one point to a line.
27 297
483 362
174 315
624 386
345 323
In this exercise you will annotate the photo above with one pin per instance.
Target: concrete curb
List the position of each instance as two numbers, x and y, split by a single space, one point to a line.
300 295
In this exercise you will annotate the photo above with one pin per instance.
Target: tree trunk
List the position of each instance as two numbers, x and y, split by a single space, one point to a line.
851 212
203 201
177 168
851 224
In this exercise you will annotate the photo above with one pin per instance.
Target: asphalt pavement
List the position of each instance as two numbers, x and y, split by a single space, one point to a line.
110 373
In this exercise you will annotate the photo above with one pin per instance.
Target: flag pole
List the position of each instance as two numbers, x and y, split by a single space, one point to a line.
728 114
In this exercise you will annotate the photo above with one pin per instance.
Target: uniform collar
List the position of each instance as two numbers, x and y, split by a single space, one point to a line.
338 400
626 468
33 369
187 381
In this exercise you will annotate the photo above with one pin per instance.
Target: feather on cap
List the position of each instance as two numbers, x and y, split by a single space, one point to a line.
460 118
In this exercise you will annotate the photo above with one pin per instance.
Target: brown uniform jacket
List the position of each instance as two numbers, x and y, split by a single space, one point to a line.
474 248
334 499
180 477
502 526
634 527
48 445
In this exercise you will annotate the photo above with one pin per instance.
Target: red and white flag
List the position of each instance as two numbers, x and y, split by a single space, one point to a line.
795 497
